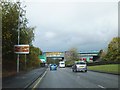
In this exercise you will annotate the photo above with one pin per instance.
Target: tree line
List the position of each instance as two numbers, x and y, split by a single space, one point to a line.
111 55
14 18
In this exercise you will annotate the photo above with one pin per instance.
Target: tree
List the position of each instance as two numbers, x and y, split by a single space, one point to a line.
52 61
27 35
100 53
71 56
113 52
9 27
33 57
14 16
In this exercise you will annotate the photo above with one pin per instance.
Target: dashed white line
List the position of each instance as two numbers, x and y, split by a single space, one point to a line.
101 86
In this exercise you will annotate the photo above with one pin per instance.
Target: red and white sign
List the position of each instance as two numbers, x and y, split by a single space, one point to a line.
21 49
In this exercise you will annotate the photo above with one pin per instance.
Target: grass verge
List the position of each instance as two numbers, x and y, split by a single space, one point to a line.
110 68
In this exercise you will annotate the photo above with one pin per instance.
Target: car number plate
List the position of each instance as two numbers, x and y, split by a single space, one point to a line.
81 66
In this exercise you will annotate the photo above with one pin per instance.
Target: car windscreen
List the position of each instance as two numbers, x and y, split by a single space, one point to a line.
62 63
53 65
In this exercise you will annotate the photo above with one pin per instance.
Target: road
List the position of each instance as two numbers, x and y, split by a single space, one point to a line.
65 78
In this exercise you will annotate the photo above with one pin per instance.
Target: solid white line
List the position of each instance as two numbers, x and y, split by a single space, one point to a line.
39 80
101 86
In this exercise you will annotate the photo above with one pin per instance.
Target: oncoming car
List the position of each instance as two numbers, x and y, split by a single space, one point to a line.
53 67
79 66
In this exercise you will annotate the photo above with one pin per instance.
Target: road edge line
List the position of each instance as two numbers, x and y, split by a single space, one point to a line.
39 80
33 81
101 86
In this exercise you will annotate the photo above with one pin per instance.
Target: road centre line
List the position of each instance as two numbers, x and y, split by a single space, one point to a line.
39 80
101 86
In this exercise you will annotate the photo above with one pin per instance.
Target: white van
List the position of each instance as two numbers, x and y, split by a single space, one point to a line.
62 64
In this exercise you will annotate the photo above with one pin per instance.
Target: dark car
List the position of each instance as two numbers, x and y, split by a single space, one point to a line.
53 67
79 66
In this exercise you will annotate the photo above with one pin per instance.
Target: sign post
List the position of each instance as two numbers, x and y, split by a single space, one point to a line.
17 63
25 61
21 49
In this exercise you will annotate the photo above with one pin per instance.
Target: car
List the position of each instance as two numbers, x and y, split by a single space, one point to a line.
53 67
79 66
62 64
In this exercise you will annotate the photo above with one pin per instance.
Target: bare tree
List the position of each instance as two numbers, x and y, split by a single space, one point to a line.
71 55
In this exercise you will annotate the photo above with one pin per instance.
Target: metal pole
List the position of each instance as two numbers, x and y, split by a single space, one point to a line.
18 54
25 61
18 40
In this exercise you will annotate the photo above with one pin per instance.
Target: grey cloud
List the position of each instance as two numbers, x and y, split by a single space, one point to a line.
87 26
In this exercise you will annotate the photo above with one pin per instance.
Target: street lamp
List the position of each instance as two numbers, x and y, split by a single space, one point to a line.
18 37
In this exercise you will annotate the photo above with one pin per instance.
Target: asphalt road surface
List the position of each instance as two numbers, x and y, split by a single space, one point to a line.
65 78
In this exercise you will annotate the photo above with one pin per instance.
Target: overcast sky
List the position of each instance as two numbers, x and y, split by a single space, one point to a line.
65 24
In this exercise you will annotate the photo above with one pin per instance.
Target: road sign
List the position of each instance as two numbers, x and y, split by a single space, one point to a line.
21 49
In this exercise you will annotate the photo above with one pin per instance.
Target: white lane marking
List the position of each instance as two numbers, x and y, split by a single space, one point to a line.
39 80
101 86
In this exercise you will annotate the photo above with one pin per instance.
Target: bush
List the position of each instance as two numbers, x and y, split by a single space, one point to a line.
103 63
69 63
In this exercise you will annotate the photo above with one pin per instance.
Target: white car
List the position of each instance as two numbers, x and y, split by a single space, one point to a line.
79 66
61 64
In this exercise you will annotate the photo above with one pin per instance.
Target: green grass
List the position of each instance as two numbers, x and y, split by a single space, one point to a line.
110 68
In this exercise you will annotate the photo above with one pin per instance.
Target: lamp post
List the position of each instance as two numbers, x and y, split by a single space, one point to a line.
18 38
